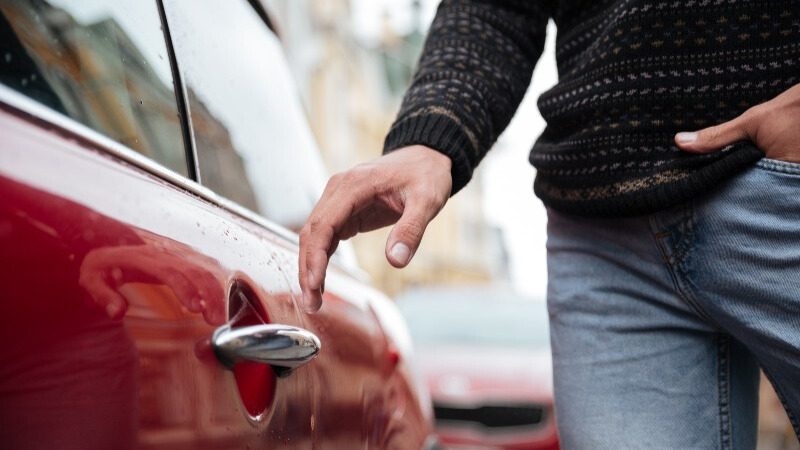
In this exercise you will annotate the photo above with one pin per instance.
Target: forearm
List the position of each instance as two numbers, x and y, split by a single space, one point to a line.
472 75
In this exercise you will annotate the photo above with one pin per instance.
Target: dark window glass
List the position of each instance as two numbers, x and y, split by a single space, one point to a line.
102 62
253 143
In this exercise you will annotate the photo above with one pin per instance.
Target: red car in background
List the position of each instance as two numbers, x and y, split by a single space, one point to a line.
485 355
154 162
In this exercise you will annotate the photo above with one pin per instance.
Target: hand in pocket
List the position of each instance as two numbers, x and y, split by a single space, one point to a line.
773 126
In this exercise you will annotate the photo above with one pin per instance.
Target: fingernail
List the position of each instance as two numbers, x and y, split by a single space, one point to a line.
310 278
401 253
112 309
686 137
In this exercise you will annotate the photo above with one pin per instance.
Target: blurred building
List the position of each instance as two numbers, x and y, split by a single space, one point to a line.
352 90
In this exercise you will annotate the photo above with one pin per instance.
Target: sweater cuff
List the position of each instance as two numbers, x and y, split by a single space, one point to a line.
439 133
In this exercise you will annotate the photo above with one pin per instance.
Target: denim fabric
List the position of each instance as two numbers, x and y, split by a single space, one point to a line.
659 323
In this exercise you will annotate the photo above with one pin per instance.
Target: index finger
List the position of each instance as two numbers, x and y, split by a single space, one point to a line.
338 204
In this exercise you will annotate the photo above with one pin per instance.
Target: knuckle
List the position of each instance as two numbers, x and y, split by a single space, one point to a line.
713 133
314 223
412 229
752 118
357 175
335 179
174 279
303 235
755 112
349 177
428 197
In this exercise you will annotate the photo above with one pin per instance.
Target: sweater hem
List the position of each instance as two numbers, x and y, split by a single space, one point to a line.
701 181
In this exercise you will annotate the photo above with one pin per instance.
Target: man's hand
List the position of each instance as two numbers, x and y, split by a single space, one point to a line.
773 126
408 186
193 278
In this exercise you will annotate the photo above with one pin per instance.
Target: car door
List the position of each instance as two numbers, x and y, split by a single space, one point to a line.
245 112
116 267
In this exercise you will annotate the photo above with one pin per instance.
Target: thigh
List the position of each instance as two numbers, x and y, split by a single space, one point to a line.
744 269
634 365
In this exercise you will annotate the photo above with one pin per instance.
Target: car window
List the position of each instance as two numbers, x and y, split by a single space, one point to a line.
254 145
103 63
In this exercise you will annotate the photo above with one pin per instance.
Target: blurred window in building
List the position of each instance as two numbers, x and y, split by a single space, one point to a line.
462 318
104 63
253 141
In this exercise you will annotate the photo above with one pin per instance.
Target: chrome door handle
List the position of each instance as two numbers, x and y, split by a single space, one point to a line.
283 347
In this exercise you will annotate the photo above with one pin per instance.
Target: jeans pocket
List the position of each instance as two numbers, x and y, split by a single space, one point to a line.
776 165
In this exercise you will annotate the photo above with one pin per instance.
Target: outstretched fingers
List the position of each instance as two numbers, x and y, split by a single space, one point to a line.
338 204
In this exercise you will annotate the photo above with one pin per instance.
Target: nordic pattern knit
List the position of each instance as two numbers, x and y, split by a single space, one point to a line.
632 73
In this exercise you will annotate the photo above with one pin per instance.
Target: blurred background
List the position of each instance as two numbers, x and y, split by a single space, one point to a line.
352 60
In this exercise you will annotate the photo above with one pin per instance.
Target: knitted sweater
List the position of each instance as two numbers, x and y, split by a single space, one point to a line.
632 73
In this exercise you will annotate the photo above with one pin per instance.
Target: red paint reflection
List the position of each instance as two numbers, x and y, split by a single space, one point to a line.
188 274
71 376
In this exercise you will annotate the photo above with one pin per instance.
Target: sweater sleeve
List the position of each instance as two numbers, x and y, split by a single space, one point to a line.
474 70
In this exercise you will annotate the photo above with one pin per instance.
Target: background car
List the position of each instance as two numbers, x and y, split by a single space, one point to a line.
485 355
155 164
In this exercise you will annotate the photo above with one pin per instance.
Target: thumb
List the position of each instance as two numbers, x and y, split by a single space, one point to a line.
714 138
405 237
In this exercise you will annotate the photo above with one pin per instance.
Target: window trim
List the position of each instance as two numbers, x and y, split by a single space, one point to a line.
181 98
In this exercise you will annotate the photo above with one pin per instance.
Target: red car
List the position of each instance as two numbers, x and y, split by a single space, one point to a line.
154 162
486 358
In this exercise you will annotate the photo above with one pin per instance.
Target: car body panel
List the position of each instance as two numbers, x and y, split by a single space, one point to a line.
72 214
59 233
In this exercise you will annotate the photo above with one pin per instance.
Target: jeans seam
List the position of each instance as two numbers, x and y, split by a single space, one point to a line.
723 386
674 261
688 297
775 165
687 240
789 412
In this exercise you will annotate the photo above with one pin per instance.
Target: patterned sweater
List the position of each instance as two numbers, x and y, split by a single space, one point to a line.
632 73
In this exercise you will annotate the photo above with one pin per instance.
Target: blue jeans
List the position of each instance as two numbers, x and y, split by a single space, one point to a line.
659 323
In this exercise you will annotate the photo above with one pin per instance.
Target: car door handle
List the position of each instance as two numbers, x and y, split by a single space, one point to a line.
283 347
